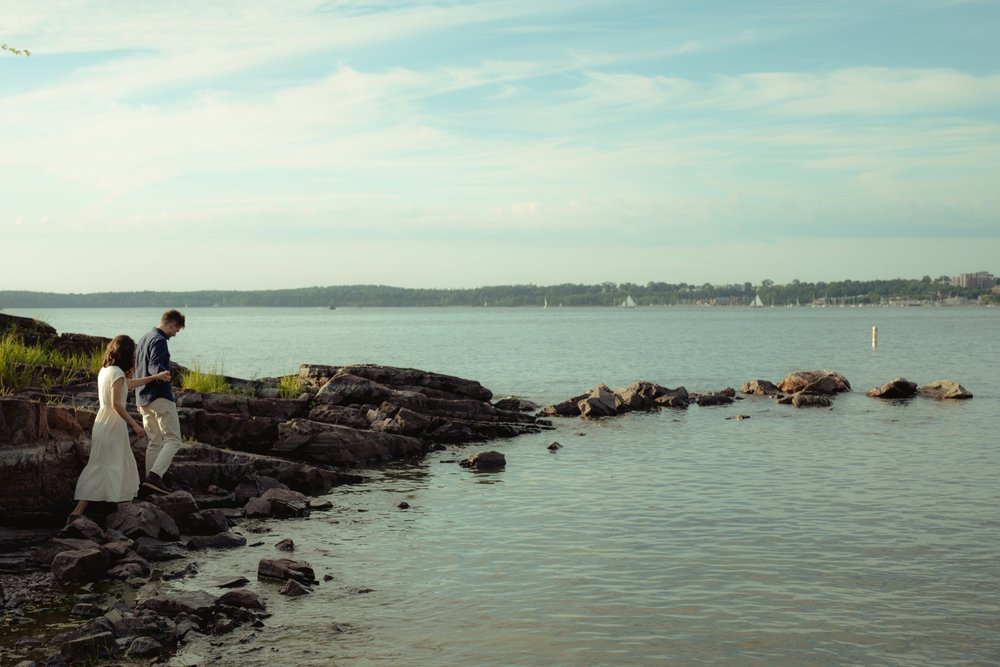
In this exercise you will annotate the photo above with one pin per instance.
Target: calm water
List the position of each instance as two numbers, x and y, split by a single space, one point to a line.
863 535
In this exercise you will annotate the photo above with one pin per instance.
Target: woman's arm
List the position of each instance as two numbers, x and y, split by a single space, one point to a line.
159 377
122 412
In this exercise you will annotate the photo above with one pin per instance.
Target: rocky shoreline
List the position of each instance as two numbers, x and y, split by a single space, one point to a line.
250 457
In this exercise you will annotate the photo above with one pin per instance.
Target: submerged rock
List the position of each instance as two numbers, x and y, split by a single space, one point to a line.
485 461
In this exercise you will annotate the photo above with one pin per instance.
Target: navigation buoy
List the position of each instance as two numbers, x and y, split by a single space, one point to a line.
874 337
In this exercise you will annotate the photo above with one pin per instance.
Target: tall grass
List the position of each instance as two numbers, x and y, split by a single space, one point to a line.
290 386
206 381
23 365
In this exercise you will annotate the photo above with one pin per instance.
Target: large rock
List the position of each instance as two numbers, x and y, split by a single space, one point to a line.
568 408
640 395
143 519
41 456
222 429
391 376
944 389
177 505
814 382
674 398
342 446
898 388
286 503
600 402
84 564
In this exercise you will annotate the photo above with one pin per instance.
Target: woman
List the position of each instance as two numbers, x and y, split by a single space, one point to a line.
111 474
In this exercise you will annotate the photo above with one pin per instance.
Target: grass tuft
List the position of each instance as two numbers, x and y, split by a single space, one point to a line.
290 386
23 365
206 381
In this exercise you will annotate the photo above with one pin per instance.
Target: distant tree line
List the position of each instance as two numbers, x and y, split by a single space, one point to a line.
849 292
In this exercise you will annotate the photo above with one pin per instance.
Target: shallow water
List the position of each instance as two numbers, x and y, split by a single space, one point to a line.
862 534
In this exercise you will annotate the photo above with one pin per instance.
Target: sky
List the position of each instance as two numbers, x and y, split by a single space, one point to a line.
254 144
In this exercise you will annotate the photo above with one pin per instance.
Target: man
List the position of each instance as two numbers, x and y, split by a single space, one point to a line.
156 400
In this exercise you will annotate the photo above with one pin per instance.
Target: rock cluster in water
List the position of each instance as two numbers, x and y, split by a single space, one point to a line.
799 389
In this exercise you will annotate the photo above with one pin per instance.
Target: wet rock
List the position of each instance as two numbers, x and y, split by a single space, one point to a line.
286 503
206 522
898 388
294 589
81 565
285 545
485 461
319 505
285 569
403 505
235 582
85 528
945 389
242 598
814 382
257 508
225 540
554 447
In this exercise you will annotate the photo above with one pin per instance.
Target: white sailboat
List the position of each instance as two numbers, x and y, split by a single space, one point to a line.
757 303
628 302
546 304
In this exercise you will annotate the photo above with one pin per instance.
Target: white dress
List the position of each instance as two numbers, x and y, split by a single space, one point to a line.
111 474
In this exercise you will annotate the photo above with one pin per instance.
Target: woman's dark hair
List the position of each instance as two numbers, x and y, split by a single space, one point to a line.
121 353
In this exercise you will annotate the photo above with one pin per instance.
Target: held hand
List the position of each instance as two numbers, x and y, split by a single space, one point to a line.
164 376
138 430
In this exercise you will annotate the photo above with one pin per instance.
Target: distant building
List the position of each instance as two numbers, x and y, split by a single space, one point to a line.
979 280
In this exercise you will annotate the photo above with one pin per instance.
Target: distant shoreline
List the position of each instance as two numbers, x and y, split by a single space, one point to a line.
899 292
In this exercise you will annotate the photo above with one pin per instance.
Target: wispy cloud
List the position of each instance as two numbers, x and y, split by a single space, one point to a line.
647 123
